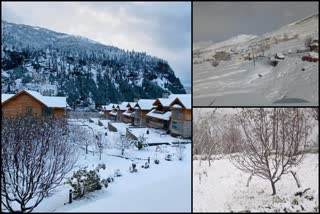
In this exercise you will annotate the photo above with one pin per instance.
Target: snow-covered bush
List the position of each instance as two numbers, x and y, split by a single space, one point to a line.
105 183
133 168
110 179
156 161
83 181
168 157
214 62
140 143
101 166
117 173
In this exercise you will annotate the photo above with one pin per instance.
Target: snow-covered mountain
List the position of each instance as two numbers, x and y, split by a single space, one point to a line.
86 71
226 74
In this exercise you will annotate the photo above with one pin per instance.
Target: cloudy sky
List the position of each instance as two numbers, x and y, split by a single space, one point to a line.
218 21
158 28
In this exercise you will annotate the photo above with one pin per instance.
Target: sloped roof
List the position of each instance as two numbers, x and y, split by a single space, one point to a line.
145 104
162 116
4 97
51 102
109 107
122 106
128 113
185 100
132 104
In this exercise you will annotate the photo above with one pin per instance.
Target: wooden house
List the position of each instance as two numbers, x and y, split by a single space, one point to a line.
33 103
142 107
121 108
160 116
128 115
107 109
181 116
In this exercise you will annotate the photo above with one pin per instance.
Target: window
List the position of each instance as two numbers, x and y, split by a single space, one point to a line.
174 125
47 111
29 109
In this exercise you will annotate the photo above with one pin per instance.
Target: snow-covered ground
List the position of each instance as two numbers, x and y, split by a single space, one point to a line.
240 82
155 136
160 188
224 189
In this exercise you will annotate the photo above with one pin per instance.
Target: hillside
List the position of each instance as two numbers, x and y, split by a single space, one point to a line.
226 74
87 72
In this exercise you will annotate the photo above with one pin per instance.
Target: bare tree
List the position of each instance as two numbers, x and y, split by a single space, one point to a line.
80 135
36 156
207 136
274 142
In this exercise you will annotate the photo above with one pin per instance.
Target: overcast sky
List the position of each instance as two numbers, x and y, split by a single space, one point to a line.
158 28
218 21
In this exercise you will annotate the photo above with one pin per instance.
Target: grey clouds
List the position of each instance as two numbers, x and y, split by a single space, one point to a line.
218 21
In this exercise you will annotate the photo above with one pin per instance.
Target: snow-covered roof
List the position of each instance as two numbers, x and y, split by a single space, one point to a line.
165 101
185 100
176 106
146 104
128 113
113 112
132 104
4 97
122 106
51 102
109 107
162 116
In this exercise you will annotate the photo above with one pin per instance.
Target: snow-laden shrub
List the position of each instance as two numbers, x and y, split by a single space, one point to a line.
133 168
140 143
83 181
214 62
168 157
117 173
105 183
156 161
101 166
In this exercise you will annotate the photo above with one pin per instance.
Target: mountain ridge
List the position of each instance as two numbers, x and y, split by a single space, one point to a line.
87 72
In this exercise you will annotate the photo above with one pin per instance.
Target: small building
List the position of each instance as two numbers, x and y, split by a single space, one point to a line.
128 115
181 116
33 103
142 107
121 108
161 115
314 45
107 109
113 114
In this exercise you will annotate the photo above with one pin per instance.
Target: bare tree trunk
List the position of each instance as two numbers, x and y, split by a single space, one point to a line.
294 174
274 191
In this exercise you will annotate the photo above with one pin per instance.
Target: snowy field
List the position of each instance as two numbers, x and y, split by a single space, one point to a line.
160 188
156 136
224 189
246 84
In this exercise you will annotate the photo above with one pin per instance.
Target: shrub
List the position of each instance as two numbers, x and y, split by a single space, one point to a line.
168 157
84 181
222 56
214 63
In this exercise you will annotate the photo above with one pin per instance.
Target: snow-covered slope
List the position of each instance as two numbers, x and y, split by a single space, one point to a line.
85 71
236 79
